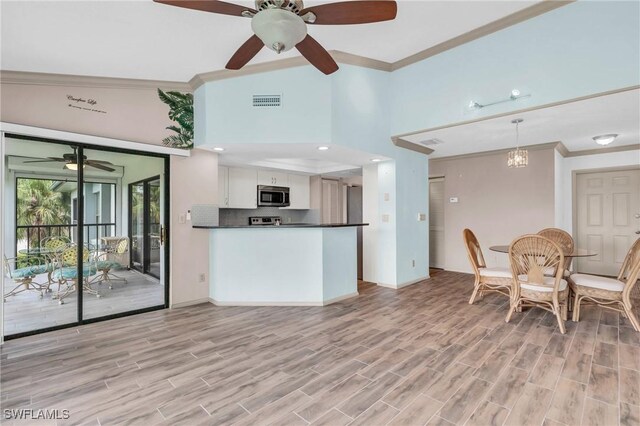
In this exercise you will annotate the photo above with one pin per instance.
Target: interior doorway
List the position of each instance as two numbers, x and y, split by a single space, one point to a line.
145 229
436 222
607 218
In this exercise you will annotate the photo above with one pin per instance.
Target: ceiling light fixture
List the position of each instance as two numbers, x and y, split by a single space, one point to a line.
513 96
73 166
323 148
218 149
605 139
517 157
376 160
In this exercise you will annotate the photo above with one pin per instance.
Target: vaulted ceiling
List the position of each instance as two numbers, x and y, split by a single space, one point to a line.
144 40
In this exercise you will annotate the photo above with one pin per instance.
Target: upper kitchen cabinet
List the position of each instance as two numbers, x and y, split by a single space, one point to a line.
243 188
271 178
223 187
299 193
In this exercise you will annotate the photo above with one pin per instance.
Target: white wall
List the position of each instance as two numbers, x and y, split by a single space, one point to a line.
583 163
194 180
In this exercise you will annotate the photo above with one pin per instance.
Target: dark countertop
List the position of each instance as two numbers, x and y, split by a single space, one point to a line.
283 226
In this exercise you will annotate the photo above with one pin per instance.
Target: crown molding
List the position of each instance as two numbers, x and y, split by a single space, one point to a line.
490 28
538 147
402 143
46 79
603 150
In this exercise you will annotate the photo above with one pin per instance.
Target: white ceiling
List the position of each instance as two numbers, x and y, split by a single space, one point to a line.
305 158
144 40
574 124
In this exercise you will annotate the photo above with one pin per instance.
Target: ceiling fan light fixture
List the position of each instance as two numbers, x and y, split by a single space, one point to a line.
280 30
73 166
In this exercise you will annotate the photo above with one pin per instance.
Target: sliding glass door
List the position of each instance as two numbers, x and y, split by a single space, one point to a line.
84 234
146 230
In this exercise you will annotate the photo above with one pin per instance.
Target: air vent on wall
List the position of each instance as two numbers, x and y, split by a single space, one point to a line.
266 100
431 142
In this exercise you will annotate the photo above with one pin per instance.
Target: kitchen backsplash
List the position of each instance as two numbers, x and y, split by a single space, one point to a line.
230 217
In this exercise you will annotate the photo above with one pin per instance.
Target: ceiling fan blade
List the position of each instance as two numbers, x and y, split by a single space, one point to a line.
49 159
213 6
245 53
317 55
99 166
99 161
353 12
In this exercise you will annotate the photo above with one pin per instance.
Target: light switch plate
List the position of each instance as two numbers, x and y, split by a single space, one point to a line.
386 196
422 217
453 199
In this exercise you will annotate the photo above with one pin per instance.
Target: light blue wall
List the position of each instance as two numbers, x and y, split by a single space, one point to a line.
229 117
580 49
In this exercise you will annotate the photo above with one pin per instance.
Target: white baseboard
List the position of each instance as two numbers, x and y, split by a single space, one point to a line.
271 303
190 303
405 284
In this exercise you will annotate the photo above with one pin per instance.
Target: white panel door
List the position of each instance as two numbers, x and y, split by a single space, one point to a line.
243 188
608 218
436 223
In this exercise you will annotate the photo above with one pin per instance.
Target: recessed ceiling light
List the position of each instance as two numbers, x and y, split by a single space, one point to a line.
376 160
605 139
218 148
323 148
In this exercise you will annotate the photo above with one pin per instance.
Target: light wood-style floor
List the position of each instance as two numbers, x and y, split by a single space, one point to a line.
415 356
26 311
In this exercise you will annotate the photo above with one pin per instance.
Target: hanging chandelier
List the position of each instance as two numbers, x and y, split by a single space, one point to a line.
517 157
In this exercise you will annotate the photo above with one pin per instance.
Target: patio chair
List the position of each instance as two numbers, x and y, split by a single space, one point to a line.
66 272
112 260
530 256
486 279
50 247
55 243
22 270
609 293
566 243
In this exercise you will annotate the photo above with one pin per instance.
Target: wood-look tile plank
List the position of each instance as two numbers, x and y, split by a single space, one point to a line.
464 402
531 407
368 396
629 356
488 414
577 367
629 386
598 413
629 414
509 387
567 402
603 384
606 354
419 411
378 414
446 385
330 418
546 371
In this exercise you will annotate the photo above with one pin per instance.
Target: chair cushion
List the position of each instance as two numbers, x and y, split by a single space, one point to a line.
595 281
549 281
495 272
70 273
104 265
25 272
41 269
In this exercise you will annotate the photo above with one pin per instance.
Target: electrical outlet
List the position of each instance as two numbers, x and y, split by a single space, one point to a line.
202 278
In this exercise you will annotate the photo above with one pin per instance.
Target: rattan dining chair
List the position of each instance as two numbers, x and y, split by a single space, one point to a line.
530 256
609 293
112 260
566 243
486 279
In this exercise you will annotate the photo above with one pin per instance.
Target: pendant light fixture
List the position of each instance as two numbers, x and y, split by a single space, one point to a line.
517 157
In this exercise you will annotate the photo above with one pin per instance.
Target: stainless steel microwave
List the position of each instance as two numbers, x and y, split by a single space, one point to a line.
273 196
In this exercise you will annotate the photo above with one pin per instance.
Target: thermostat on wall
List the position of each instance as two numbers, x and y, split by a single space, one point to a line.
453 199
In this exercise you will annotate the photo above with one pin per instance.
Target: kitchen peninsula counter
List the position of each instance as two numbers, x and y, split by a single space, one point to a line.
285 265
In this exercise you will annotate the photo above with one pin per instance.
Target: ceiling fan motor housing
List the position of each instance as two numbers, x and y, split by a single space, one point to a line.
280 29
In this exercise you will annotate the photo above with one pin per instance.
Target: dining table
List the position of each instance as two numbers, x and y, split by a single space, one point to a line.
578 252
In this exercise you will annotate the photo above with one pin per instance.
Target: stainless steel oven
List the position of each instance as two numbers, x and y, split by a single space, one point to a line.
273 196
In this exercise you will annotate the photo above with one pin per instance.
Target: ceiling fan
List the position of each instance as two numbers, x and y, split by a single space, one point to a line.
71 162
282 24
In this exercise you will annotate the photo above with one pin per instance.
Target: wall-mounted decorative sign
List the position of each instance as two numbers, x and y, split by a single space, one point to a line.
83 104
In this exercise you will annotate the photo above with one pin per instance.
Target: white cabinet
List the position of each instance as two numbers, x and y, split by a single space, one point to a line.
243 191
223 187
271 178
299 193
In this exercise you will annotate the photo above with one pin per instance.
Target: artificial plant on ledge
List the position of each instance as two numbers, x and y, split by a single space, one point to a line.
180 111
